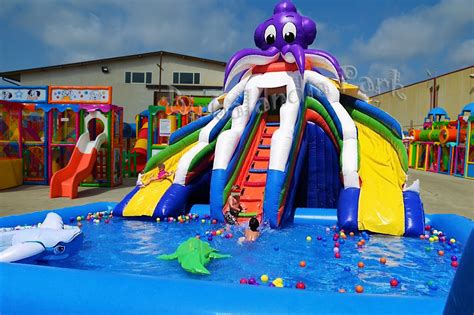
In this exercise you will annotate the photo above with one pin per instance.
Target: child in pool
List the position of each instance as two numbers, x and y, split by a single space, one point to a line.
234 205
252 233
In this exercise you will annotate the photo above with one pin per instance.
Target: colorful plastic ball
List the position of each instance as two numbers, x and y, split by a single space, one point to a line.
351 234
328 229
428 248
107 221
455 263
393 282
454 258
319 238
431 239
441 252
335 250
422 237
337 255
360 264
218 232
359 289
252 281
427 227
308 238
203 221
264 278
79 224
243 281
347 268
214 233
300 285
452 241
209 238
383 260
278 282
158 219
336 244
302 263
341 290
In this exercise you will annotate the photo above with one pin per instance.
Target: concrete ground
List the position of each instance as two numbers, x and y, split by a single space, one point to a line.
440 194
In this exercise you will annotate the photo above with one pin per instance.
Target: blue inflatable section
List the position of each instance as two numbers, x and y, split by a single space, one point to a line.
190 128
348 208
228 114
175 200
289 210
323 181
414 214
314 92
122 204
374 112
271 203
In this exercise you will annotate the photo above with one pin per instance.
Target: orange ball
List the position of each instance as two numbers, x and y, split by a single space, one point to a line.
342 290
351 233
360 244
359 289
383 260
302 263
360 264
362 241
441 252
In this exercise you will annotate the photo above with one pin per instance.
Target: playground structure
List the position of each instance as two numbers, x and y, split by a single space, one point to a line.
49 122
322 148
428 150
444 146
96 157
464 151
166 118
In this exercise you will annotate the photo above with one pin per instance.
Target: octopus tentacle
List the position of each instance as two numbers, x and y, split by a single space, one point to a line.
295 54
325 60
246 58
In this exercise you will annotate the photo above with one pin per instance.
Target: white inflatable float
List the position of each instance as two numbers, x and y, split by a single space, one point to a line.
51 240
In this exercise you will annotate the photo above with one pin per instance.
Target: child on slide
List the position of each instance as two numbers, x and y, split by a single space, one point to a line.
162 175
232 215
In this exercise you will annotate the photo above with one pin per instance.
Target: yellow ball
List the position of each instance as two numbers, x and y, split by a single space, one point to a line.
435 238
203 221
278 282
218 232
452 241
308 238
431 240
158 220
79 218
264 278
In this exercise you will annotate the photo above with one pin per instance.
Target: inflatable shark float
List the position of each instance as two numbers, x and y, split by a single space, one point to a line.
290 132
52 240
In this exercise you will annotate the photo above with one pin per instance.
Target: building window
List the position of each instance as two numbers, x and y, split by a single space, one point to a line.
138 77
186 78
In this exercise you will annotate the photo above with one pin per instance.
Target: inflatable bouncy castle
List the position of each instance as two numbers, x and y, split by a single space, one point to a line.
291 133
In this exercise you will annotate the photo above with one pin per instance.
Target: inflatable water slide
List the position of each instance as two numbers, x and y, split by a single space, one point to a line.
290 137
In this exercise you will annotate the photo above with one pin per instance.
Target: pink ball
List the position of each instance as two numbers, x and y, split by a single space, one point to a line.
336 250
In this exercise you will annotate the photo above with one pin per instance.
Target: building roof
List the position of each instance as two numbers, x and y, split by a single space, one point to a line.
16 74
426 80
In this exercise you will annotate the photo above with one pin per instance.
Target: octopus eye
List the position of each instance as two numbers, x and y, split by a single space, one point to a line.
270 34
289 32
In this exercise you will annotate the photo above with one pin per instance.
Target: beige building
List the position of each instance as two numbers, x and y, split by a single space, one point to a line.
410 104
137 80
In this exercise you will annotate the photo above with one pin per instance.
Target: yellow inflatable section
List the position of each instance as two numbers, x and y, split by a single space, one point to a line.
143 203
381 206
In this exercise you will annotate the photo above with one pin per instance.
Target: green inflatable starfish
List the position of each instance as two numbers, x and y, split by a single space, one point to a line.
193 255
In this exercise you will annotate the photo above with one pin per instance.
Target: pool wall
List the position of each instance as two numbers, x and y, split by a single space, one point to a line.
34 289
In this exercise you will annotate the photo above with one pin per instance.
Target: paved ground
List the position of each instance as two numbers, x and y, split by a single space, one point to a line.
440 194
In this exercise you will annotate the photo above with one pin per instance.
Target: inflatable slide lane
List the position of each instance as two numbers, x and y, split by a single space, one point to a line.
291 133
189 158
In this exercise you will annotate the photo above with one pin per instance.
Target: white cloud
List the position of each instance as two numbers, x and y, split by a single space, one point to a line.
81 30
421 32
464 53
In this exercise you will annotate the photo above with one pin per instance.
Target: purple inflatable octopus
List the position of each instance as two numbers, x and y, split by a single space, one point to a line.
286 36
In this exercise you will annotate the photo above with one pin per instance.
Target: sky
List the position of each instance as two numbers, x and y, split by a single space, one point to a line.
381 44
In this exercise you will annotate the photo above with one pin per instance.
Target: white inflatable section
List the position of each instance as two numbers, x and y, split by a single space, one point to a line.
323 63
415 187
205 133
282 138
18 244
248 62
228 140
84 143
349 131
